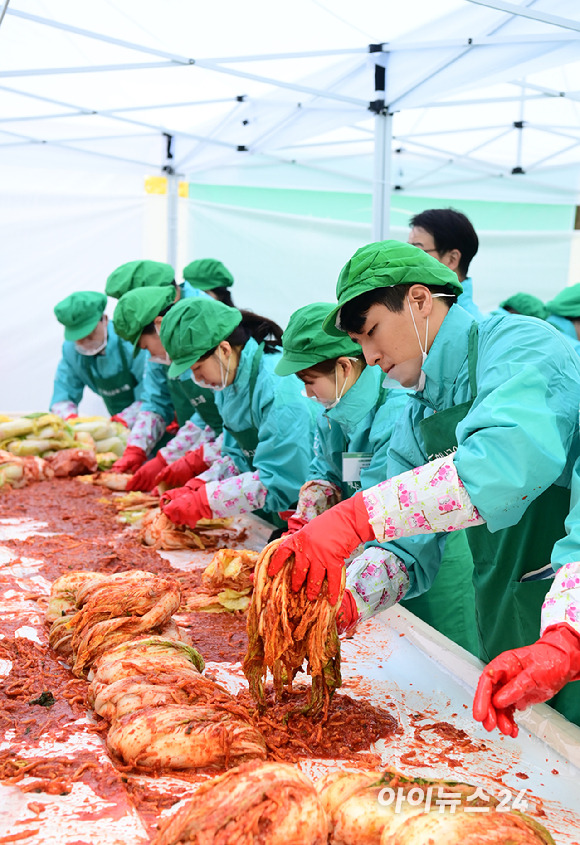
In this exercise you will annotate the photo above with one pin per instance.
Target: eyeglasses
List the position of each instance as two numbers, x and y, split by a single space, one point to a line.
425 250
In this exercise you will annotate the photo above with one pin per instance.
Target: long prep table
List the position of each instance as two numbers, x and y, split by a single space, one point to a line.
395 661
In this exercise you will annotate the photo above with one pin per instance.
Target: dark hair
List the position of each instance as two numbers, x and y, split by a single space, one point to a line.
224 295
354 313
451 230
325 368
150 327
262 329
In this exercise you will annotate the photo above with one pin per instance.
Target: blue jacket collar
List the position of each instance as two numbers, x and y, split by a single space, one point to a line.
446 357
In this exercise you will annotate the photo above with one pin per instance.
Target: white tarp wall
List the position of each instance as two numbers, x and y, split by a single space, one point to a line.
282 261
71 231
60 232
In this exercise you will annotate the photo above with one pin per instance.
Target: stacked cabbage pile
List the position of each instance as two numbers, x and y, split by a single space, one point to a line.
41 437
105 437
276 804
145 680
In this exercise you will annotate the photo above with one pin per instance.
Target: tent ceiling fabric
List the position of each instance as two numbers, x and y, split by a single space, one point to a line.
246 85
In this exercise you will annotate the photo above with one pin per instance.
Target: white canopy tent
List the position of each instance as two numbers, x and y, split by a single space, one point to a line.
480 103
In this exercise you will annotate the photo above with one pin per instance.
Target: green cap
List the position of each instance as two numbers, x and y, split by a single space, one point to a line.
193 327
305 343
566 303
527 304
138 274
80 313
207 274
385 264
137 309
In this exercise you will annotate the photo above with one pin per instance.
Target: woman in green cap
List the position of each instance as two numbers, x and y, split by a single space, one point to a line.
93 356
352 440
211 276
268 424
564 314
489 443
138 318
523 303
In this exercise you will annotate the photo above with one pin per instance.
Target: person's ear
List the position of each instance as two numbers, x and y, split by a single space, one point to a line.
452 259
157 322
345 364
226 348
421 299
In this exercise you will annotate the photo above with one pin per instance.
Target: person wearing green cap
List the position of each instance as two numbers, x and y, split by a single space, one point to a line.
148 432
211 276
352 439
523 303
564 314
138 318
356 418
488 444
93 356
268 424
139 274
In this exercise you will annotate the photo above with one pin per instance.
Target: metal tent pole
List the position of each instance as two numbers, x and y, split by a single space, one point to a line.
382 155
172 203
172 219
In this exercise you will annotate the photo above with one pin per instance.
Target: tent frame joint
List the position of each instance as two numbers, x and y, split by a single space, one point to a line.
378 107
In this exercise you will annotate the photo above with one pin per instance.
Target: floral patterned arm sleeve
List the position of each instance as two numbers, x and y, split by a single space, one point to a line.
377 580
63 409
130 413
212 449
315 497
189 437
220 469
146 431
562 602
424 500
241 494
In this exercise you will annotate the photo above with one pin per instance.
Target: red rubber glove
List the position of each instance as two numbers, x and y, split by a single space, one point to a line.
184 468
177 492
295 523
119 419
523 676
321 547
144 478
133 457
188 508
347 616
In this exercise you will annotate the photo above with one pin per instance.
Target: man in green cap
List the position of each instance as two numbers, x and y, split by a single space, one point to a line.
138 318
93 356
211 276
564 313
489 443
352 438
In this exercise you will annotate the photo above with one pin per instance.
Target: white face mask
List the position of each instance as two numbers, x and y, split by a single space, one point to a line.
224 376
420 383
327 404
337 396
89 351
160 359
